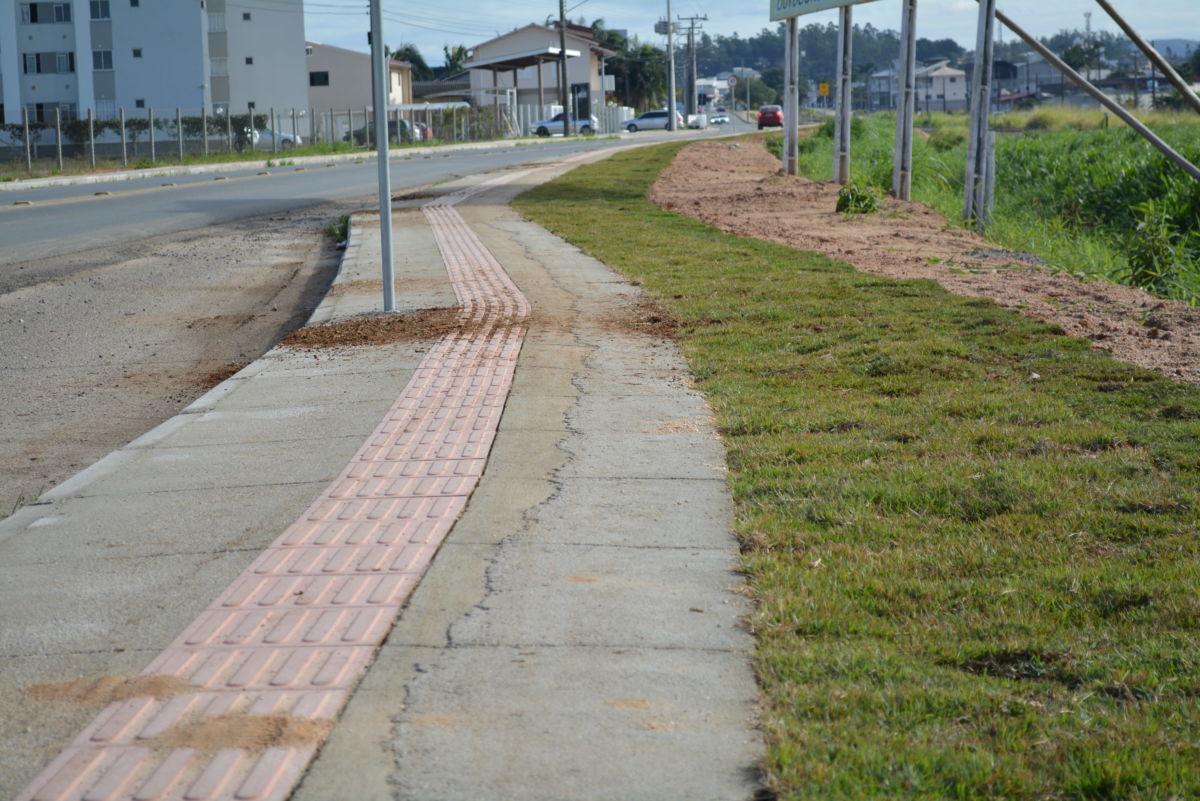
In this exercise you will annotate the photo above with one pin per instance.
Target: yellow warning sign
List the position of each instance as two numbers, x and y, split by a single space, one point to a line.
823 89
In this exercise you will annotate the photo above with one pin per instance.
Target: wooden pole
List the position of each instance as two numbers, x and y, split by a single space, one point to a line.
974 194
906 107
841 137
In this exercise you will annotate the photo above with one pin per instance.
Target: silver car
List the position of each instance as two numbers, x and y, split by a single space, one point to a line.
554 125
648 120
265 138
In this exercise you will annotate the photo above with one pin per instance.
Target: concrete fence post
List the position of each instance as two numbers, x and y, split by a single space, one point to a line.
124 139
92 138
58 136
28 144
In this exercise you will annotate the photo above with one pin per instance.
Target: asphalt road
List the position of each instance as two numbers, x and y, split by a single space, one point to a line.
68 219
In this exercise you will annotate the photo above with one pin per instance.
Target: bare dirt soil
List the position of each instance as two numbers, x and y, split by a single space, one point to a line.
739 188
421 325
103 345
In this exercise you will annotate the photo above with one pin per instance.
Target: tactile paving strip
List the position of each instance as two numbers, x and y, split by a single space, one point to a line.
293 634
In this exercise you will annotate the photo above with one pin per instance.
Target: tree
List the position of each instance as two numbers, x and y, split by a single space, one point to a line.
638 70
1082 56
455 57
407 51
934 50
641 76
1190 69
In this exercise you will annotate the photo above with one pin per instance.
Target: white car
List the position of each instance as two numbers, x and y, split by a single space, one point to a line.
648 120
266 138
719 119
554 125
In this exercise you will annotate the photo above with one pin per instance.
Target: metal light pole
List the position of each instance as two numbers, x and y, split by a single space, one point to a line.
670 69
379 82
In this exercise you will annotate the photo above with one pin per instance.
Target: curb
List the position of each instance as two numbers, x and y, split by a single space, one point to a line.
396 154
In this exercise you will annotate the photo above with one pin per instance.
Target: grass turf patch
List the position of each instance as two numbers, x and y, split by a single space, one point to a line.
971 540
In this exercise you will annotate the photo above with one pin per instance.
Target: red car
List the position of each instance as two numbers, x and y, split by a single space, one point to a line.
770 115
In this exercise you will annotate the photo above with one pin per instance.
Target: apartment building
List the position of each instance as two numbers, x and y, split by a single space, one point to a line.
76 55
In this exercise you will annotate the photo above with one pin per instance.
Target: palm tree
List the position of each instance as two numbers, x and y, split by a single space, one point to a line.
407 51
455 56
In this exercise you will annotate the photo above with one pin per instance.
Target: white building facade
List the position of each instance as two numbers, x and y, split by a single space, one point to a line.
527 60
102 55
340 78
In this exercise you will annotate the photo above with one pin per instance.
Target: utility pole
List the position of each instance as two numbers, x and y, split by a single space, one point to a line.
668 27
563 82
690 103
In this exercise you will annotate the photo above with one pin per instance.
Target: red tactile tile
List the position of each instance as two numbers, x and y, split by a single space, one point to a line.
292 635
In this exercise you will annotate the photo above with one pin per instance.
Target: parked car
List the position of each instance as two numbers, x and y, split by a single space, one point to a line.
399 131
266 138
554 125
648 120
770 116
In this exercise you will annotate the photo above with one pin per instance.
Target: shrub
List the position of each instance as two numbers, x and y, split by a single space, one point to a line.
856 198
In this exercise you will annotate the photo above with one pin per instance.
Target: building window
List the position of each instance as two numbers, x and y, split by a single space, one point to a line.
137 52
36 13
100 9
308 50
44 112
139 103
245 16
106 109
220 109
318 78
102 60
218 67
49 63
249 60
216 23
133 3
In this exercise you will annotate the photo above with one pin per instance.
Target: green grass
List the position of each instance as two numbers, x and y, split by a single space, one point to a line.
971 540
1090 201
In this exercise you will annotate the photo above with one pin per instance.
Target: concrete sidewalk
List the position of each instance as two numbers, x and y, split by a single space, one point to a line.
577 635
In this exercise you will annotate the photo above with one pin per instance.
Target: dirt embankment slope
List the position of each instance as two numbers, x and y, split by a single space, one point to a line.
738 187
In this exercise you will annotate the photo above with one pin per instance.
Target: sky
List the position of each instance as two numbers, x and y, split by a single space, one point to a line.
430 26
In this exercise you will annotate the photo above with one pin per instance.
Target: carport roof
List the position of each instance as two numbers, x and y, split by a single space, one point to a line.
516 61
